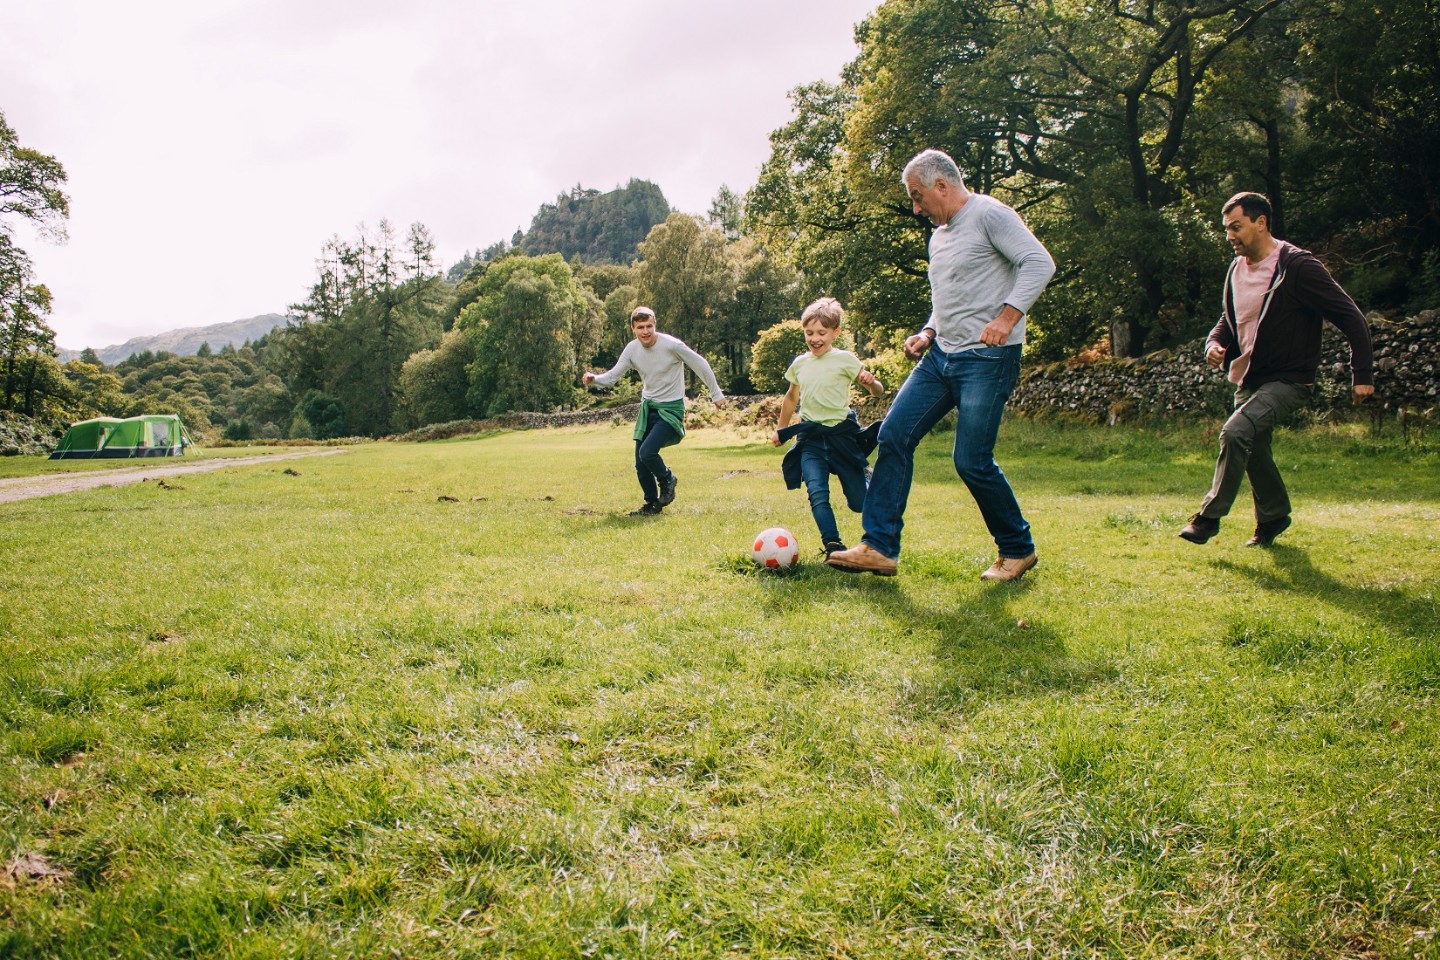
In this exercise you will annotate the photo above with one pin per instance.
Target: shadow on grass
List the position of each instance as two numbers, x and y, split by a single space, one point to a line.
1387 608
1410 621
987 647
984 646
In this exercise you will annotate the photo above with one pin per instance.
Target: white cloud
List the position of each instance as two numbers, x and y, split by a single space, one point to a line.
213 148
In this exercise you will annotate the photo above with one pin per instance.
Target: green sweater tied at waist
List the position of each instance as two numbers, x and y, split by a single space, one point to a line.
671 411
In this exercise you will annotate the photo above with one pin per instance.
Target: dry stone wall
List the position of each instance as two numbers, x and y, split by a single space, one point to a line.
1179 383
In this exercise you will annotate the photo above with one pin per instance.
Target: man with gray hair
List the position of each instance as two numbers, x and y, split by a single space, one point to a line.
986 270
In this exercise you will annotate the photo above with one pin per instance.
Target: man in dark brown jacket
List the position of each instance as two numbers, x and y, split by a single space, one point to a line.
1276 299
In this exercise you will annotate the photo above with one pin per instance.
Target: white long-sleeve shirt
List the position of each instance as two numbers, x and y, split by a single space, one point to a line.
662 369
984 258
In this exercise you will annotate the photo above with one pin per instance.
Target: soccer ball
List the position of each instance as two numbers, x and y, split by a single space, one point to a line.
775 548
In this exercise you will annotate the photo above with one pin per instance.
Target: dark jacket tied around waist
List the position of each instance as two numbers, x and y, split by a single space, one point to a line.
845 443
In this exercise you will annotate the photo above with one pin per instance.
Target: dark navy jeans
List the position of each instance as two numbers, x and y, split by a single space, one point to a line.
649 468
975 383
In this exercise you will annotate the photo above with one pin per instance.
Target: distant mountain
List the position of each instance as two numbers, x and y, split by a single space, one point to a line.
186 342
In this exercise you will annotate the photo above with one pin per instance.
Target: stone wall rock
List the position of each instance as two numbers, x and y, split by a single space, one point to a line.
1179 383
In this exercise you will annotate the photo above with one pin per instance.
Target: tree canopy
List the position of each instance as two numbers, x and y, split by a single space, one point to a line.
1118 131
31 189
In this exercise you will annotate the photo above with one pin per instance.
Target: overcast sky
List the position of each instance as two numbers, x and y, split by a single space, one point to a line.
213 147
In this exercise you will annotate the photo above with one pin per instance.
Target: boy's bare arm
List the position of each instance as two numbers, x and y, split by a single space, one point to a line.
787 411
867 380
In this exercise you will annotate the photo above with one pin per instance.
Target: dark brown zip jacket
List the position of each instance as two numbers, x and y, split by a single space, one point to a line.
1302 295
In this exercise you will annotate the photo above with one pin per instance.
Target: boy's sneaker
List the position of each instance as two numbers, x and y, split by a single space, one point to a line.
652 508
832 546
667 490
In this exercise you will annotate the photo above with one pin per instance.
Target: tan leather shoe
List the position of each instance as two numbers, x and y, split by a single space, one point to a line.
1009 568
863 559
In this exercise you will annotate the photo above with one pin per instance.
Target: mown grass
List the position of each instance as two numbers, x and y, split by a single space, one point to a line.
333 714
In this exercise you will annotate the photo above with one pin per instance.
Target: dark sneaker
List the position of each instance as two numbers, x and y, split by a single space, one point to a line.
667 490
1200 529
1265 533
832 546
652 508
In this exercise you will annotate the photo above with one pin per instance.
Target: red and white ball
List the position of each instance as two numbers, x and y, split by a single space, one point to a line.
775 548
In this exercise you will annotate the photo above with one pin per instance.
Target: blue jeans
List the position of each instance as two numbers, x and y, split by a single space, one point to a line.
976 383
815 470
649 468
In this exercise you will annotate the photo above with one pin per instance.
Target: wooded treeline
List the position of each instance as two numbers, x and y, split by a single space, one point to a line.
383 342
1117 130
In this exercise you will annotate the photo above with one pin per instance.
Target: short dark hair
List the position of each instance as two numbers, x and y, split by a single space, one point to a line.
640 312
1254 206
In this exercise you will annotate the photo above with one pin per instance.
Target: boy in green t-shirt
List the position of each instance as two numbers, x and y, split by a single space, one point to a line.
828 436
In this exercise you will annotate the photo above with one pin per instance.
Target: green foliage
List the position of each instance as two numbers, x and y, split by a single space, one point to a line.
714 293
615 330
94 390
773 353
1368 180
532 323
1117 132
596 227
434 383
319 417
376 302
32 189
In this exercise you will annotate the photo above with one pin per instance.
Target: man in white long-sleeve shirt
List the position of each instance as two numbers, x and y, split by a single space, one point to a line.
986 270
660 359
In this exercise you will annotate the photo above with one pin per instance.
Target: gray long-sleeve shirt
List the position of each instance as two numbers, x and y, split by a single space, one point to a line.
662 369
984 258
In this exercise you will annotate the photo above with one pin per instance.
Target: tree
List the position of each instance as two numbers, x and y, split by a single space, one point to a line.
1369 184
775 349
434 383
688 275
531 322
25 339
31 186
727 212
767 291
866 249
372 306
319 416
1081 116
30 189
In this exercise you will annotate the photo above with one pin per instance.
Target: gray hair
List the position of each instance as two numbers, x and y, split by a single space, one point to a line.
927 166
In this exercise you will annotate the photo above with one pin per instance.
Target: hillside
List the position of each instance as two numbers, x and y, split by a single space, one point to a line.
186 341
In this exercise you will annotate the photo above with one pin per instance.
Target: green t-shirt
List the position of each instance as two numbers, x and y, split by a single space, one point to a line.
824 383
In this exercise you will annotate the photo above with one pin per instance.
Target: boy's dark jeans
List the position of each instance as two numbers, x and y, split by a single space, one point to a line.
815 470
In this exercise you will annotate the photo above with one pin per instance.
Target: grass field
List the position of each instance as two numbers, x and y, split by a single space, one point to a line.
447 700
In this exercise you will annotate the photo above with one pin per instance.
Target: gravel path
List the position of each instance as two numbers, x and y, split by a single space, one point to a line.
23 488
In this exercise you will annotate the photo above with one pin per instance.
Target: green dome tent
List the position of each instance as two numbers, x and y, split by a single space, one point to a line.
159 435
